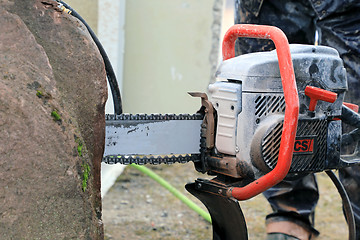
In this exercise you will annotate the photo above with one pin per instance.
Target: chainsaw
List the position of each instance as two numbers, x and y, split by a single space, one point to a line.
269 116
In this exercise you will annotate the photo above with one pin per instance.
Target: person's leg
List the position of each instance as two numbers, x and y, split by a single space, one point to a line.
295 18
293 202
342 32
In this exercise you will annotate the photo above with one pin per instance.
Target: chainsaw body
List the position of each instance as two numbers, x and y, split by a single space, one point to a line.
250 106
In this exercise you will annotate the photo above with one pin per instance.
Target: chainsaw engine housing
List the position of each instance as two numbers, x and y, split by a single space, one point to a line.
250 105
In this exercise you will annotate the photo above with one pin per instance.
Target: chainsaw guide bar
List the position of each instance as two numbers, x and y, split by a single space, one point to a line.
152 138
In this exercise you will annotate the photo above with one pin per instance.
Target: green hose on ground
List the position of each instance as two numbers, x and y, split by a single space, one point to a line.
174 191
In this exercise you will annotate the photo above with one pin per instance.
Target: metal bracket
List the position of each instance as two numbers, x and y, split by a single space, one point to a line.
209 119
227 218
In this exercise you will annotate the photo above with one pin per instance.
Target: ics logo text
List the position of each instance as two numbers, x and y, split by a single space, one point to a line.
304 145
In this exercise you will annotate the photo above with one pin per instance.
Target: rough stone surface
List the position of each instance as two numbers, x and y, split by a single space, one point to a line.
52 98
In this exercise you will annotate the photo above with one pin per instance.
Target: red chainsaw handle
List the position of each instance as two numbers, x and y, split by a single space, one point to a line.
291 101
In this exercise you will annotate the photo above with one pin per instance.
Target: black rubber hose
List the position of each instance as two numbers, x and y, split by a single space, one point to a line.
350 138
349 214
110 74
350 117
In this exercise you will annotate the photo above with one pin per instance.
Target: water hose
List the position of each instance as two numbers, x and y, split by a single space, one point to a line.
174 191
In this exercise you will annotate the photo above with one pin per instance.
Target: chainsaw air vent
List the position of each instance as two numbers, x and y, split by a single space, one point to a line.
271 145
266 104
309 158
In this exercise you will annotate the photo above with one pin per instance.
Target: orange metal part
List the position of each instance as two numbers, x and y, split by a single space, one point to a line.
316 94
291 100
352 106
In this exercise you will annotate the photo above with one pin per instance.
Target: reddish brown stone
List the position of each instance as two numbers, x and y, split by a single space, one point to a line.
52 97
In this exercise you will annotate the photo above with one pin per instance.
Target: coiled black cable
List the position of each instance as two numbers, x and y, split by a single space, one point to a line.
349 214
110 74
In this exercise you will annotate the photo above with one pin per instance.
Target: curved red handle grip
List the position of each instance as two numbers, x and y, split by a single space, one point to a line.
291 100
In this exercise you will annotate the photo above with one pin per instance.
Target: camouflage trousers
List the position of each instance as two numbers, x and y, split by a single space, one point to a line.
296 200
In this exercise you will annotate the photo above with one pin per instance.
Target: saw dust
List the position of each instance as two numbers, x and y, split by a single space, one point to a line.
137 207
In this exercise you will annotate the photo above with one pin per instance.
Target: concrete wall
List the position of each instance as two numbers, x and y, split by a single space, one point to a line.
111 33
88 9
159 49
167 50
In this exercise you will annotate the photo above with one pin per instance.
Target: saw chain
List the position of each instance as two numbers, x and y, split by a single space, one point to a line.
153 159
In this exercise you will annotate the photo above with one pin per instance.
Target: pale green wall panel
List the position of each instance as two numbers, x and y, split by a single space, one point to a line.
167 52
88 9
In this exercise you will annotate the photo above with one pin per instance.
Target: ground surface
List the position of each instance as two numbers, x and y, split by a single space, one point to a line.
136 207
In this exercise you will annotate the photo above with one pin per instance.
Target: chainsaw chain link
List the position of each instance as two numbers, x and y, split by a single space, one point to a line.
160 117
152 159
155 160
